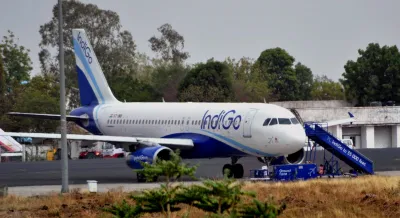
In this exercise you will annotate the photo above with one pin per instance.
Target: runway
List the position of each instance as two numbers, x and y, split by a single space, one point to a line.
107 171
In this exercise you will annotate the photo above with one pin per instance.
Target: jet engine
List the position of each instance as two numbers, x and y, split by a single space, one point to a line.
148 155
296 158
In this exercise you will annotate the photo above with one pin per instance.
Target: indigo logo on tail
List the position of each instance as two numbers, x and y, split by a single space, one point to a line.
85 48
226 120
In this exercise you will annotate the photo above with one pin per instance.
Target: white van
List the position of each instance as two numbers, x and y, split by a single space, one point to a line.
348 142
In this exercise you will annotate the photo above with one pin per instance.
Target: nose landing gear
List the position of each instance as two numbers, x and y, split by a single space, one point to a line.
266 160
235 170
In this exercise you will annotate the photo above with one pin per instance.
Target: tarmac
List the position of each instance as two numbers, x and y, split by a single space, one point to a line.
36 178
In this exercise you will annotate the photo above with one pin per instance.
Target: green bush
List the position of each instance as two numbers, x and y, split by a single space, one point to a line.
221 198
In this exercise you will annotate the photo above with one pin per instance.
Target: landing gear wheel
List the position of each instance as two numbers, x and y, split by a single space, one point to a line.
235 170
227 167
238 171
140 177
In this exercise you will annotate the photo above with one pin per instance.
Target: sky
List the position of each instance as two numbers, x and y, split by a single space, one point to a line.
323 35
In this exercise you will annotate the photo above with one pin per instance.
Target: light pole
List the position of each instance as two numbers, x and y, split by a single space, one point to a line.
64 149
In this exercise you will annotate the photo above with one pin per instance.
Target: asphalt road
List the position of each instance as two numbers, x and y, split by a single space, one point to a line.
116 171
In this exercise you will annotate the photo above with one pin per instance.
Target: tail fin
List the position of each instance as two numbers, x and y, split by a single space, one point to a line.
93 86
9 144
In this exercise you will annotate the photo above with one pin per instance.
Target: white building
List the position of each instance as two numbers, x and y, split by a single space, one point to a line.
375 127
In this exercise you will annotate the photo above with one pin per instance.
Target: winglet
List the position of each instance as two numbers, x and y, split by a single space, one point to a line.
351 115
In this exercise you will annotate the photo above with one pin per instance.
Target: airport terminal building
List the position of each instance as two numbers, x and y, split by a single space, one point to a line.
375 127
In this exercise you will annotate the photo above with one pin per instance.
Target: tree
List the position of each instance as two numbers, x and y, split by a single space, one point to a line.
114 47
127 88
304 78
169 45
211 79
326 89
2 78
241 69
17 64
374 76
15 67
277 65
166 78
41 95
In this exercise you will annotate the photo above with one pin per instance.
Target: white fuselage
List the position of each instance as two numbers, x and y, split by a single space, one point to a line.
239 125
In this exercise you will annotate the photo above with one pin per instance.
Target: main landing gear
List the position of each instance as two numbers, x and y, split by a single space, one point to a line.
235 170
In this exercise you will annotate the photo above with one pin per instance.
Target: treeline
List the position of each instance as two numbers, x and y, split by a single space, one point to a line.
133 76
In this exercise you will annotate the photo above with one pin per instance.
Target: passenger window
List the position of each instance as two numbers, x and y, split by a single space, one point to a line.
266 122
284 121
273 122
294 120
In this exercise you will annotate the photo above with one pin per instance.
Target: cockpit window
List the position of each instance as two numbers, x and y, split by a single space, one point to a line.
294 120
266 122
284 121
273 122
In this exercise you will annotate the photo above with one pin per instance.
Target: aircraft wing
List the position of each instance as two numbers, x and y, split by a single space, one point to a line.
168 142
337 122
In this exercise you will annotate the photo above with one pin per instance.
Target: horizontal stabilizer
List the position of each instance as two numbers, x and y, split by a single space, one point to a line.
47 116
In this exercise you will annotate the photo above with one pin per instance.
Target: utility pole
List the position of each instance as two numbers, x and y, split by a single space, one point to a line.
64 149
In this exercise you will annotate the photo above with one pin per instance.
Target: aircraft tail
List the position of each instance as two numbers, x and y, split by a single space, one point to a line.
93 86
8 144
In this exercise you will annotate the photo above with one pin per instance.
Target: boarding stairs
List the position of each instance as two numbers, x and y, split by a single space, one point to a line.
351 157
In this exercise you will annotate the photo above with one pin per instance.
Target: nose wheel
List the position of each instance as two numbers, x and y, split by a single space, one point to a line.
235 170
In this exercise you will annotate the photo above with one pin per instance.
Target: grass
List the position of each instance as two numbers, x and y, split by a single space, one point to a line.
368 196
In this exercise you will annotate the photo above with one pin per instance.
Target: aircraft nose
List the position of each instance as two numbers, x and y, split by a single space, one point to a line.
298 137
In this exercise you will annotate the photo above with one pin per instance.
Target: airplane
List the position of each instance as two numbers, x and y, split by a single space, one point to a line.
151 130
8 144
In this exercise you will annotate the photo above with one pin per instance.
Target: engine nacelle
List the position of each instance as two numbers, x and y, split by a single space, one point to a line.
296 158
148 155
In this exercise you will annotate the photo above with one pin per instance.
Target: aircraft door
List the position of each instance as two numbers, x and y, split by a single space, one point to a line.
188 124
182 124
247 123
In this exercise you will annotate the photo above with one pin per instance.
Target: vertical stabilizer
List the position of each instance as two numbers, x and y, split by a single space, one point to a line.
9 144
93 86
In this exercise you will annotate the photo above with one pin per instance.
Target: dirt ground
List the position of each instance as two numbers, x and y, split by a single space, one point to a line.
370 196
